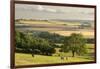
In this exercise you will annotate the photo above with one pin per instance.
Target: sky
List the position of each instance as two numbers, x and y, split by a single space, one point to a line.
26 11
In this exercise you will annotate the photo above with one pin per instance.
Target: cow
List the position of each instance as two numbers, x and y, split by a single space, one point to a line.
62 58
32 54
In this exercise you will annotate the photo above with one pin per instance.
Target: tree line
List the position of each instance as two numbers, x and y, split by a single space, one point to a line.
44 43
27 43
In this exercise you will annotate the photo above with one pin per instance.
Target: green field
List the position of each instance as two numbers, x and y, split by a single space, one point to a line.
26 59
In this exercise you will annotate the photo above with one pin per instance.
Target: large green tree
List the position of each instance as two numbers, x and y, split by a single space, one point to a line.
27 43
74 43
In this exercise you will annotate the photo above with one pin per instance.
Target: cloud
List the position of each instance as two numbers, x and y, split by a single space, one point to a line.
50 10
47 9
40 7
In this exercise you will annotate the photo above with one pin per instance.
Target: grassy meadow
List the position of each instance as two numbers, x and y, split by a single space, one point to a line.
26 59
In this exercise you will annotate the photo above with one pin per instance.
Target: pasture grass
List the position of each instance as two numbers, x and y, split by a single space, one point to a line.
27 59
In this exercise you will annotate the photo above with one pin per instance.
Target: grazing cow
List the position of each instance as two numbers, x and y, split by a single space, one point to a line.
32 55
62 58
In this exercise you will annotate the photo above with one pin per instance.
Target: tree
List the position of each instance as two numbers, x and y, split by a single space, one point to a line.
74 43
19 39
43 45
27 43
51 37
